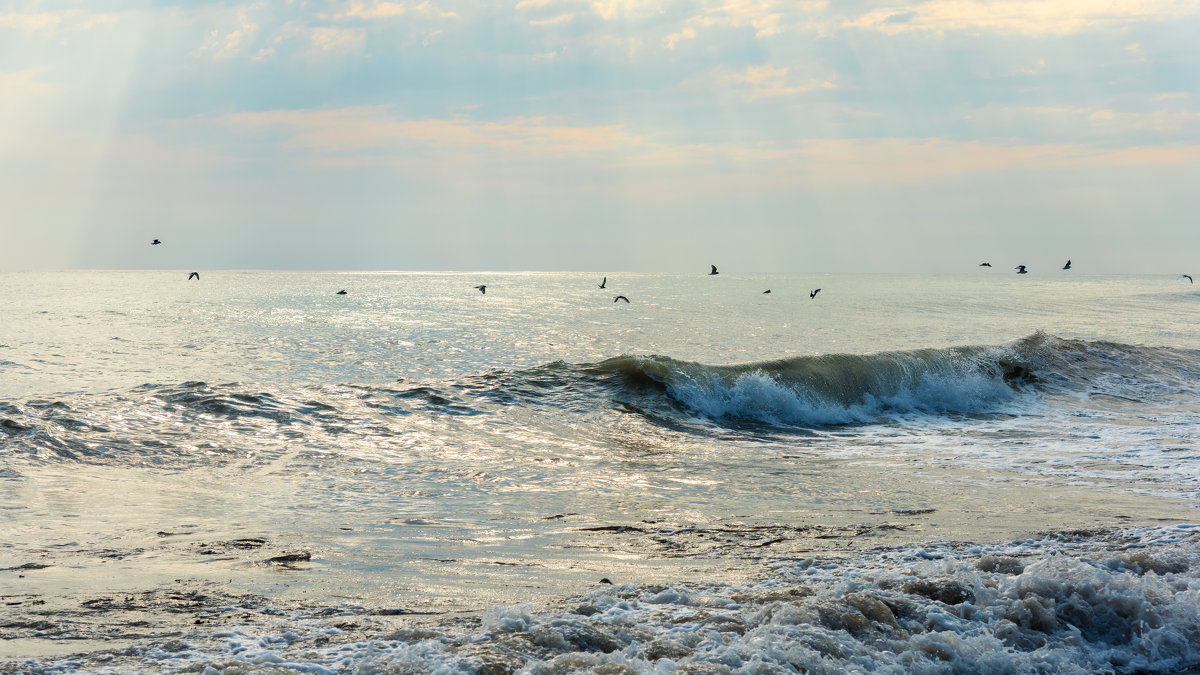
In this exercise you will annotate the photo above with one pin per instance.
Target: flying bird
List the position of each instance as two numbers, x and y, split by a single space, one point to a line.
714 270
194 275
1067 266
603 282
621 297
1021 269
482 289
766 291
341 292
813 294
985 264
155 242
1188 277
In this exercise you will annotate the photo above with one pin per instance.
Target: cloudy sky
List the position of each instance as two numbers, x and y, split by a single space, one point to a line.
607 135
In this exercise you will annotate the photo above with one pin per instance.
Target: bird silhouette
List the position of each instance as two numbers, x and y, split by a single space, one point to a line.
603 282
1021 269
813 294
155 242
341 292
766 291
714 270
621 297
985 264
1067 266
194 275
482 289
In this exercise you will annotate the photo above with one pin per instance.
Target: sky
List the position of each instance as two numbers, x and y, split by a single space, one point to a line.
610 135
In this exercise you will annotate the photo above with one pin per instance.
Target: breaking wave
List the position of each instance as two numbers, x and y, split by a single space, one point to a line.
804 392
849 388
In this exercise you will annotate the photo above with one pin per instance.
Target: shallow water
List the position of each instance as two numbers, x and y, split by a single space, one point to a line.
173 453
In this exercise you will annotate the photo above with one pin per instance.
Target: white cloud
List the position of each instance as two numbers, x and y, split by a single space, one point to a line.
766 17
624 9
378 10
767 81
338 40
672 40
377 136
52 21
224 44
1098 121
1034 17
383 10
30 22
550 21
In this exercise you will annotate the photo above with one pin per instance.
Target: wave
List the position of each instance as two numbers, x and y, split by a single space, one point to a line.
827 390
795 394
848 389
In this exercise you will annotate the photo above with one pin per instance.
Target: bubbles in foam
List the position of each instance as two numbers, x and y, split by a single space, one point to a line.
1126 602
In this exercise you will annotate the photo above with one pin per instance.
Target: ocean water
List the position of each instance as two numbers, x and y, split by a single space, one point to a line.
907 473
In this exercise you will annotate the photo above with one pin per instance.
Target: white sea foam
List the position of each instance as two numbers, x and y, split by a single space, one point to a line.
765 397
1126 602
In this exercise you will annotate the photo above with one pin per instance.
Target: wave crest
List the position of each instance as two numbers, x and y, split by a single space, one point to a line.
848 388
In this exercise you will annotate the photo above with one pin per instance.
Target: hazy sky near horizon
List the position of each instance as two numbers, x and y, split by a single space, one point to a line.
603 135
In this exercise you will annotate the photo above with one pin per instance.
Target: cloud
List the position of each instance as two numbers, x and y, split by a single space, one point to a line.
766 17
550 21
1031 17
224 44
687 33
378 10
52 21
383 10
1099 123
30 22
624 9
371 129
767 25
767 81
338 40
375 136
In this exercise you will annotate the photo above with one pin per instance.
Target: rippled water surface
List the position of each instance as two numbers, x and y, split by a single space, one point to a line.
415 448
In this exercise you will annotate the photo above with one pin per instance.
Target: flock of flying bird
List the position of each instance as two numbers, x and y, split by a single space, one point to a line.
482 288
1021 268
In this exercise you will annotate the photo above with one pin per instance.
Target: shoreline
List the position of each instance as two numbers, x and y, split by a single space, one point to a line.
195 623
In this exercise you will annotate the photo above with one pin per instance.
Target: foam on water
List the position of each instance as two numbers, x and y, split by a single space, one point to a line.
760 396
1119 602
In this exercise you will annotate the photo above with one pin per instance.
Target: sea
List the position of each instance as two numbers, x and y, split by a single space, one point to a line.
252 473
